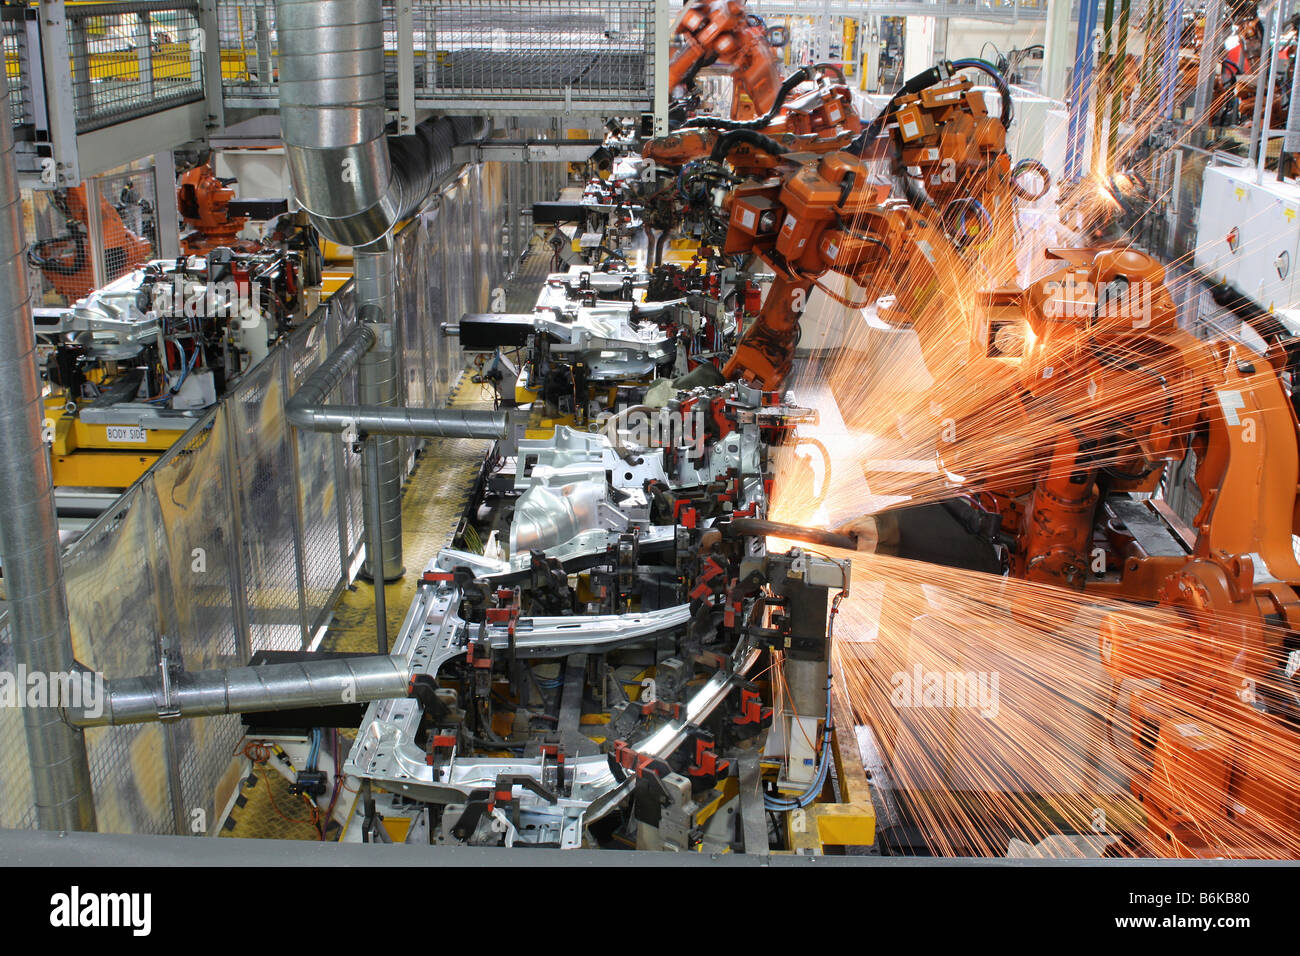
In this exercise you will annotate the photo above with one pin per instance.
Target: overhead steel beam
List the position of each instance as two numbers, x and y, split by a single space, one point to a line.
529 151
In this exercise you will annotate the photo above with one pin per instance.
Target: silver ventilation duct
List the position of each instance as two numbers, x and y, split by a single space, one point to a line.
241 690
354 180
307 408
357 183
29 535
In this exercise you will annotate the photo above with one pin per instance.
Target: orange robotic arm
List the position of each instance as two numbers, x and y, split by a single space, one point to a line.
1214 760
65 261
721 31
830 215
204 202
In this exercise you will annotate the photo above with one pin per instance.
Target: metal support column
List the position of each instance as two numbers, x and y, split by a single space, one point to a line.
60 105
377 384
371 460
1169 61
1080 87
1101 90
406 68
1118 61
95 234
29 531
1266 125
1056 46
210 66
663 28
166 215
1205 72
1291 145
1266 41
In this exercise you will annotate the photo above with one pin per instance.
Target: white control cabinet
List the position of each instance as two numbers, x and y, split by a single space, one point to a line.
1249 235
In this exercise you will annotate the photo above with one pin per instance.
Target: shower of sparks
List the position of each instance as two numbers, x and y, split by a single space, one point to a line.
1006 708
1000 719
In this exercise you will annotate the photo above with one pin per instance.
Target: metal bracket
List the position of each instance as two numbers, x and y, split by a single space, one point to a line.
529 151
405 68
169 708
59 103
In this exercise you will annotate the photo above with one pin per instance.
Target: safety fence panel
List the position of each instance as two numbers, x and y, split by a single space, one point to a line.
246 29
18 67
474 55
117 575
195 489
269 507
242 535
319 467
560 50
343 305
59 258
17 805
133 59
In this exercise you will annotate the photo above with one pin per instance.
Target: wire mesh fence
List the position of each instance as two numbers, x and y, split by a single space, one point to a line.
243 534
562 53
133 59
245 29
521 49
59 257
18 68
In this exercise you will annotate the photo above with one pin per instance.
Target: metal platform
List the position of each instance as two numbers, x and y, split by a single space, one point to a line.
551 57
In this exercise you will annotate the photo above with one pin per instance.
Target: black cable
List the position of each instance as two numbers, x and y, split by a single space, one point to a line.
703 62
921 81
728 140
800 75
1112 360
1000 81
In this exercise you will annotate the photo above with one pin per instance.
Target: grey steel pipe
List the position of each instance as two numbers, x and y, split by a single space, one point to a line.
242 690
307 408
375 544
29 534
357 183
378 385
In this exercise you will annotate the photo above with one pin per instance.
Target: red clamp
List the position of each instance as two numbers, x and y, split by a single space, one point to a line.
711 570
637 763
663 708
440 747
706 765
475 659
752 711
732 613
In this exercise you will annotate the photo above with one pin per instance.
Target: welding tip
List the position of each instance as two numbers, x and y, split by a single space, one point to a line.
794 532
